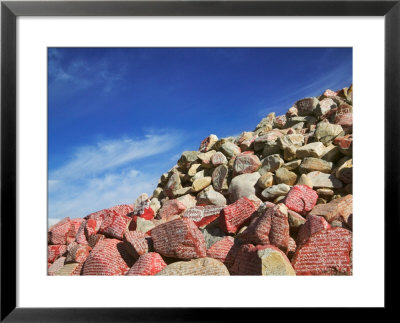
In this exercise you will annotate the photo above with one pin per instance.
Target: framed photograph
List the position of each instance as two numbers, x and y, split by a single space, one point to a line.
183 156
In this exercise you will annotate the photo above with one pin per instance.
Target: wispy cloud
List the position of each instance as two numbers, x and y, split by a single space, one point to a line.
106 174
80 73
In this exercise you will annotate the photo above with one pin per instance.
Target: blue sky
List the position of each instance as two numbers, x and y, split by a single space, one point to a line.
120 117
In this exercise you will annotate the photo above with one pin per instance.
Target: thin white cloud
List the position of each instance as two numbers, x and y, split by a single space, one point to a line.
109 154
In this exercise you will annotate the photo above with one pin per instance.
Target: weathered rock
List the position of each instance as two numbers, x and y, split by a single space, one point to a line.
224 250
326 132
292 165
208 143
78 253
295 221
243 186
305 180
157 192
265 180
220 178
218 159
279 233
324 107
246 164
268 120
148 264
56 266
261 260
280 121
304 120
283 176
201 183
275 191
143 225
187 200
296 140
136 243
179 238
301 199
326 252
196 267
272 163
203 215
292 112
212 234
236 214
229 149
332 153
109 257
314 149
257 232
345 172
173 184
311 164
206 158
187 158
194 168
338 209
271 136
71 269
210 197
307 106
314 223
322 180
246 140
171 208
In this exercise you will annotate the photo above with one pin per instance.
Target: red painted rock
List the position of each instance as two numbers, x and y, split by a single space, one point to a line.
148 264
80 235
55 251
326 252
261 260
74 227
301 199
92 226
203 215
314 223
78 253
58 233
258 230
171 208
179 238
345 120
115 224
108 258
142 207
94 239
343 142
123 209
279 233
338 209
246 163
291 248
235 215
224 250
136 243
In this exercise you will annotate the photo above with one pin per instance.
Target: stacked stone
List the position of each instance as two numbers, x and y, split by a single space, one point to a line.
261 203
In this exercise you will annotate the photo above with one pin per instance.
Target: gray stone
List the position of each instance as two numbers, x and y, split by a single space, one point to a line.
306 107
271 148
242 186
314 149
326 132
210 197
322 180
296 140
275 191
272 162
187 158
332 153
311 164
292 164
324 107
306 120
229 149
220 178
174 184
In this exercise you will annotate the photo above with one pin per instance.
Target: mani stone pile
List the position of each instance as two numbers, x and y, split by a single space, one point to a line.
273 201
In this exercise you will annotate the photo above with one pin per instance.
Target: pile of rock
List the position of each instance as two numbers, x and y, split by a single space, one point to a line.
273 201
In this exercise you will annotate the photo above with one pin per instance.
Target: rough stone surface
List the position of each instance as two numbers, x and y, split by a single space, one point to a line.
148 264
326 132
197 267
322 180
179 238
311 164
338 209
305 180
201 183
275 191
171 208
314 149
236 214
301 199
224 250
284 176
314 223
218 159
229 149
265 180
208 143
272 163
246 164
326 252
242 186
220 178
307 106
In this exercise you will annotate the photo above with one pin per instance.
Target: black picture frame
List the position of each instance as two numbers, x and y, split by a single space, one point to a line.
10 10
